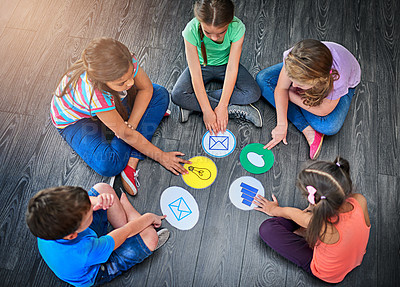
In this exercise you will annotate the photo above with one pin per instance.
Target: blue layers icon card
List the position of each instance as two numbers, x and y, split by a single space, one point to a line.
219 145
180 208
243 191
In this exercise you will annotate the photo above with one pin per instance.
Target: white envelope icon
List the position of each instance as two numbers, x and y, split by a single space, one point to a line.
180 208
219 143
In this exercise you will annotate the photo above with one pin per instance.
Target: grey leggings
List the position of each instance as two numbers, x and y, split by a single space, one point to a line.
246 89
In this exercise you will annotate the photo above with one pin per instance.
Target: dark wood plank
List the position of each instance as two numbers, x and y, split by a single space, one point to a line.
388 73
388 230
30 14
41 38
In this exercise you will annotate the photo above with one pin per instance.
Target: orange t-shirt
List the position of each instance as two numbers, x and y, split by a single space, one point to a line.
332 262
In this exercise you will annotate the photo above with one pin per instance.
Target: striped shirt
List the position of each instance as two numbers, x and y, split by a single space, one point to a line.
74 105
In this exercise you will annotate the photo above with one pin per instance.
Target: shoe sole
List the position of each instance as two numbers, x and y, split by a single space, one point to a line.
167 232
127 182
259 115
319 148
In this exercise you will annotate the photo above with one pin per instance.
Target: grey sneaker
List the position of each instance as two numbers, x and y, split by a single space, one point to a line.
184 115
163 235
247 112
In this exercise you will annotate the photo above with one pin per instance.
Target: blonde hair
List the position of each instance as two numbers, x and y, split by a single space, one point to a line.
310 63
104 60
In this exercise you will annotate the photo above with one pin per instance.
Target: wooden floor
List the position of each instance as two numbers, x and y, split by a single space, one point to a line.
39 39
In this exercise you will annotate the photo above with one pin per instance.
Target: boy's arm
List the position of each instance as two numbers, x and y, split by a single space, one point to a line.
134 227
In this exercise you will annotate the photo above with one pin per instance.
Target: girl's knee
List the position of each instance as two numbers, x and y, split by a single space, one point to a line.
161 94
266 229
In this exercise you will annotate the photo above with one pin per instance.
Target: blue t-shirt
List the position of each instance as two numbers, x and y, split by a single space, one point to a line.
77 261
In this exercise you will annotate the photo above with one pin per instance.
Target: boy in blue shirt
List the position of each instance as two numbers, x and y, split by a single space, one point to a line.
71 227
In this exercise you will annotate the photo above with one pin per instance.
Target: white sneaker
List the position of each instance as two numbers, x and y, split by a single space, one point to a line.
246 112
163 236
184 115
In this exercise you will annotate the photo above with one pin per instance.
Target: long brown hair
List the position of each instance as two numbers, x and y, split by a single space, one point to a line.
56 212
217 13
333 184
104 60
310 62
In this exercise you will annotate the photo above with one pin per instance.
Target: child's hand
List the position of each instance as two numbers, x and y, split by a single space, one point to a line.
266 206
278 134
172 162
222 117
105 201
157 220
210 121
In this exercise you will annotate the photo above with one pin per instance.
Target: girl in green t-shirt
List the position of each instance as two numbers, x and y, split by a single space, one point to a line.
213 45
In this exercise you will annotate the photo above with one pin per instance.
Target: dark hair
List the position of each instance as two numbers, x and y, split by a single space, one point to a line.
56 212
310 62
332 181
104 60
217 13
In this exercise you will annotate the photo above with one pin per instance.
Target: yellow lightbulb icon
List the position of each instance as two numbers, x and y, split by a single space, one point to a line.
202 173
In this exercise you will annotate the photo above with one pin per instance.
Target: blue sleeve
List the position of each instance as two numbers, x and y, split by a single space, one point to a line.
101 250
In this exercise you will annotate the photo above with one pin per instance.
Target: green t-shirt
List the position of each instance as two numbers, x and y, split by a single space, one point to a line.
217 54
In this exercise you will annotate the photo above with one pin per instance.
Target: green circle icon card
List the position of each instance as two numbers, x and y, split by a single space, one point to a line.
255 159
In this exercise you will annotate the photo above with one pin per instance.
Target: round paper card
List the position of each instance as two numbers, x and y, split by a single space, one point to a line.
202 172
219 145
180 207
243 190
255 159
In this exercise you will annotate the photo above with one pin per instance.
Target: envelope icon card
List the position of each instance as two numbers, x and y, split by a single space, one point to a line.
219 145
180 208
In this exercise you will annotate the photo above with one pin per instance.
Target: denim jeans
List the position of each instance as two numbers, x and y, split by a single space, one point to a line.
87 139
277 232
130 253
246 90
328 125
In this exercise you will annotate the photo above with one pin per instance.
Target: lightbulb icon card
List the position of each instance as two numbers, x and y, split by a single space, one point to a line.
202 172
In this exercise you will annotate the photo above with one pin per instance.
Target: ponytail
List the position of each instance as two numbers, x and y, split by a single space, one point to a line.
203 47
330 184
104 60
217 13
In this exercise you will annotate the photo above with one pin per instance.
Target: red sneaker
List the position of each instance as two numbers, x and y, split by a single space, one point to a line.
129 180
315 147
167 113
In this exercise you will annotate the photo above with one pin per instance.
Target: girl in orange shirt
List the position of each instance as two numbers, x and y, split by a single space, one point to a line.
329 238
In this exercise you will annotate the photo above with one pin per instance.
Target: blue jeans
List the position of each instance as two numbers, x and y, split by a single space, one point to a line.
246 90
130 253
87 139
328 125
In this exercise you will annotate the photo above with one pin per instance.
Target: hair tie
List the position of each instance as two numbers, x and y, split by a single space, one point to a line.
311 194
338 164
330 72
323 197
